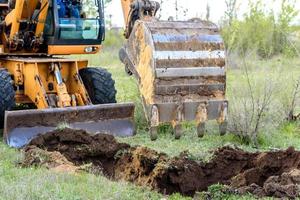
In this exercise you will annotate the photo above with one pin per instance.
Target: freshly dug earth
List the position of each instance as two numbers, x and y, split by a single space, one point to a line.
263 174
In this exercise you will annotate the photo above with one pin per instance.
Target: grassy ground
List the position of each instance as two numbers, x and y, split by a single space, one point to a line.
18 183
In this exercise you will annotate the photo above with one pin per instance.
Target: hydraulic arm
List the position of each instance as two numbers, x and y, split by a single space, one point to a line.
25 11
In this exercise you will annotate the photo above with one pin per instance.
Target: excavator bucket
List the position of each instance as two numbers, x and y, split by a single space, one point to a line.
22 126
180 67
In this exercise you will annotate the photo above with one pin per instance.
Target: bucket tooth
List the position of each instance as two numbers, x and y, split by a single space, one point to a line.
21 127
154 122
222 120
201 119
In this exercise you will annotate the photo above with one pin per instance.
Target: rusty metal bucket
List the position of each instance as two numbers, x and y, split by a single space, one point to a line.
181 69
20 127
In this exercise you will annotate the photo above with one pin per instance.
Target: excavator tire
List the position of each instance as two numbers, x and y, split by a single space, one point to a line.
99 85
7 95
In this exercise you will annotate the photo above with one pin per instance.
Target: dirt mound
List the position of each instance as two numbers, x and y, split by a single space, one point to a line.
180 174
263 174
81 148
285 185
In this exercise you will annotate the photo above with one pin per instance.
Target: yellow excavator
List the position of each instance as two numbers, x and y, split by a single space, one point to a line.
180 67
64 91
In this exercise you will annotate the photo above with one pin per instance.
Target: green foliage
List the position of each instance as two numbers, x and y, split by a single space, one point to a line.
216 192
177 196
221 192
262 30
114 39
255 88
90 9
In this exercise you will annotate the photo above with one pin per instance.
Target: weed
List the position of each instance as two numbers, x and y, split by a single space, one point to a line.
62 126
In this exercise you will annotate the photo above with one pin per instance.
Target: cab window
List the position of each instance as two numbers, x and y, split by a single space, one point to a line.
78 19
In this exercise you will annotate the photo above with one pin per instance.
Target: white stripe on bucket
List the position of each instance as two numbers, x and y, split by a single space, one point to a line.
172 55
190 71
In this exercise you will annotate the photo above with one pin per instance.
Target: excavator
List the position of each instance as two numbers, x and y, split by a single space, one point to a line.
180 68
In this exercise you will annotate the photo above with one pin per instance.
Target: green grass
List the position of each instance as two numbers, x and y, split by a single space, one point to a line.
37 183
31 183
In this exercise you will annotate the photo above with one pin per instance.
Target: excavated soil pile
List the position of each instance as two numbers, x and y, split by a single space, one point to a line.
263 174
76 146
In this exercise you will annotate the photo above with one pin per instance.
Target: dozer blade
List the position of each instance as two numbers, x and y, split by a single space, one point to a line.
22 126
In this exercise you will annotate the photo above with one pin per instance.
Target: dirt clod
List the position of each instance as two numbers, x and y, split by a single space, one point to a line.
285 185
275 174
51 160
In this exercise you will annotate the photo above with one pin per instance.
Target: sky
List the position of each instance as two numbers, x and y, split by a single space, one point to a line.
190 8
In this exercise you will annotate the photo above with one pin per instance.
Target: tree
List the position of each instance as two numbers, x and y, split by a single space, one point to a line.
107 1
90 9
230 10
207 11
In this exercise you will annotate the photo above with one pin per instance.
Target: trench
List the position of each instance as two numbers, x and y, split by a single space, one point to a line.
272 174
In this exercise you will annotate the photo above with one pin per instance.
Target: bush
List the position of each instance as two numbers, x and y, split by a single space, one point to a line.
262 31
253 107
262 99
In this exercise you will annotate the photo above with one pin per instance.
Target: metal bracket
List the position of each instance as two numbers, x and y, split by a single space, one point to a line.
140 9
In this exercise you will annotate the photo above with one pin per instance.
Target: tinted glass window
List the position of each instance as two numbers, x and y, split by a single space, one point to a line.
78 19
79 28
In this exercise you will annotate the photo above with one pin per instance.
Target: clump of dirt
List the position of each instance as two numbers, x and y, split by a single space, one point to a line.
51 160
285 185
80 148
263 174
272 174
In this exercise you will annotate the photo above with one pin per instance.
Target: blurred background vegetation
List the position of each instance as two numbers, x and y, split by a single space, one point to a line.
262 30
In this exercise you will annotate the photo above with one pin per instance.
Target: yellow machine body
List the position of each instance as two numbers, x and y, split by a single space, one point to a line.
32 32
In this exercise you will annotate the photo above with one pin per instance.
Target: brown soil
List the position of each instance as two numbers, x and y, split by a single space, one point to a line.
263 174
80 148
286 185
51 160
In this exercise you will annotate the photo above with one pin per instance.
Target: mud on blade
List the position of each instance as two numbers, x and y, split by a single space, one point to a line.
22 126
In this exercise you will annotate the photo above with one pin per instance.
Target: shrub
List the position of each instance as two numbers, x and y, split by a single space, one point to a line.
252 107
261 99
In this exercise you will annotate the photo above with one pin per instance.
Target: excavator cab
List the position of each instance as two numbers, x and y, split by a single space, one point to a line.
52 26
75 22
